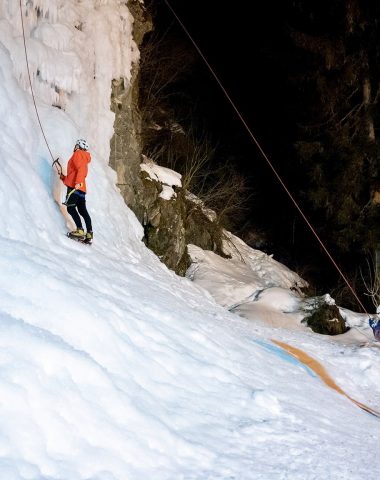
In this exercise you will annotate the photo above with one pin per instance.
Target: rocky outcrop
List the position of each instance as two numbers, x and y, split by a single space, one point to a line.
164 229
171 224
323 316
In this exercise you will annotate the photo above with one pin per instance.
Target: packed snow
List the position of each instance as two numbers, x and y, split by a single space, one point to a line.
167 177
111 366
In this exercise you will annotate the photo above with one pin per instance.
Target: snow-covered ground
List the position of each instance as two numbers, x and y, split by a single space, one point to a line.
111 366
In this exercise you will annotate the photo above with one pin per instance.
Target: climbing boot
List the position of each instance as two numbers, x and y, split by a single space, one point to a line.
78 233
89 237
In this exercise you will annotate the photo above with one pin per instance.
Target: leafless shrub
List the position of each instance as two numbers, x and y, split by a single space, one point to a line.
219 187
371 281
225 191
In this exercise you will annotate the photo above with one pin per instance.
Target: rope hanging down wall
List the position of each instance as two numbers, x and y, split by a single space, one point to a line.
268 161
30 83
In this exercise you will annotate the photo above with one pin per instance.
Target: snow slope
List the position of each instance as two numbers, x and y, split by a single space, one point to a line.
111 366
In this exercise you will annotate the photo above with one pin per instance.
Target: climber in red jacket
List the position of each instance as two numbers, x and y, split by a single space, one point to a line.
75 180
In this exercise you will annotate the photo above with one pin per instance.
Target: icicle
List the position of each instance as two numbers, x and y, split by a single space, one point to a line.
47 9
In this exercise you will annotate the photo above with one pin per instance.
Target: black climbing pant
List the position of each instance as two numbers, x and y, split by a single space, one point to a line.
76 205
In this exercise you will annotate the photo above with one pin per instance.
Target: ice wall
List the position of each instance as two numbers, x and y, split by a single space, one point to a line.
75 48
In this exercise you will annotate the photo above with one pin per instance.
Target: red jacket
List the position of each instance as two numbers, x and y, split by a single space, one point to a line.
77 169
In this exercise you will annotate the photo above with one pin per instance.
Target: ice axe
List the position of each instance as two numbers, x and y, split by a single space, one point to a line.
57 165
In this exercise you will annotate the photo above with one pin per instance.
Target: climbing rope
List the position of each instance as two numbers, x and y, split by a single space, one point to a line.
268 161
32 90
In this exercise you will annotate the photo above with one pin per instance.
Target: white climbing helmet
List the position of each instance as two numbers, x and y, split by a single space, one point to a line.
82 144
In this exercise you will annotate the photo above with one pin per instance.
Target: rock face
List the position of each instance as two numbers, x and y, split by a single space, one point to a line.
169 224
324 317
125 155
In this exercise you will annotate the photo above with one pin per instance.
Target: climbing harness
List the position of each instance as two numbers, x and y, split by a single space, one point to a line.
68 197
269 162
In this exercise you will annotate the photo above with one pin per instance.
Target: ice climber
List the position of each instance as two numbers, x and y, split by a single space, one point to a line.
75 180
